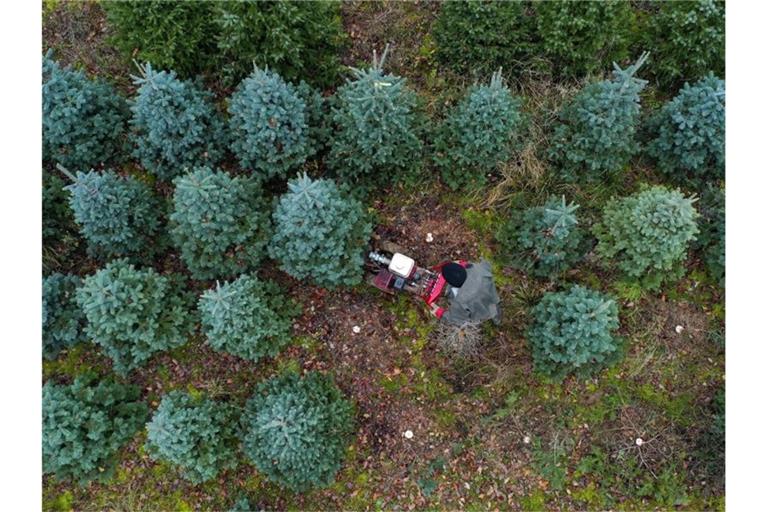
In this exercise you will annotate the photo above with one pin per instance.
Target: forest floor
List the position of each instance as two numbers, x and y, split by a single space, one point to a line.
488 433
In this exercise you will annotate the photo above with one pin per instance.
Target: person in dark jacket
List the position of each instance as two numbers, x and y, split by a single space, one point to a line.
470 292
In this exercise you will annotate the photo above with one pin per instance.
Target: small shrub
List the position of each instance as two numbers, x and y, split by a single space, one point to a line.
269 125
580 38
247 317
572 331
479 37
175 123
85 425
375 138
296 39
61 237
459 340
711 240
544 240
319 233
297 429
478 135
688 41
63 320
117 215
133 313
647 234
199 435
689 143
596 134
170 35
219 223
83 120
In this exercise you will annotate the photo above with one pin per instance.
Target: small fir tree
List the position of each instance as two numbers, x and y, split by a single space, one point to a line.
63 320
478 135
689 133
269 125
319 233
247 317
175 123
219 223
83 120
596 134
688 38
579 38
648 234
134 314
198 434
375 134
86 424
297 429
544 240
117 215
61 237
572 331
477 37
711 241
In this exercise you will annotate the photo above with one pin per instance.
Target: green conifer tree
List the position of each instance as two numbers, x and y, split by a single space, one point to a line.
63 320
596 133
319 233
375 137
219 223
175 124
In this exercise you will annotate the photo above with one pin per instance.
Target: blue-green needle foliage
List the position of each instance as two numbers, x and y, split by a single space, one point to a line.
197 434
596 133
689 134
478 135
296 430
86 424
247 317
269 125
579 38
133 314
117 215
319 233
83 120
573 332
647 235
544 240
175 124
219 223
63 320
376 129
688 41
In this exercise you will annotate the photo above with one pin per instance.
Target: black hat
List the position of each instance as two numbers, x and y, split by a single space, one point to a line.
454 274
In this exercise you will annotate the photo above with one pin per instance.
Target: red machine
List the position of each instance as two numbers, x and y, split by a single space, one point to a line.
395 272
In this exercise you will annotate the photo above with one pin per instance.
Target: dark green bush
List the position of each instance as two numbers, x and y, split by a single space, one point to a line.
198 434
170 35
479 37
219 223
134 314
647 234
544 240
689 134
83 120
688 41
63 320
572 331
596 132
711 240
376 129
269 124
579 38
298 40
85 425
175 124
478 134
319 233
297 430
248 317
117 215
